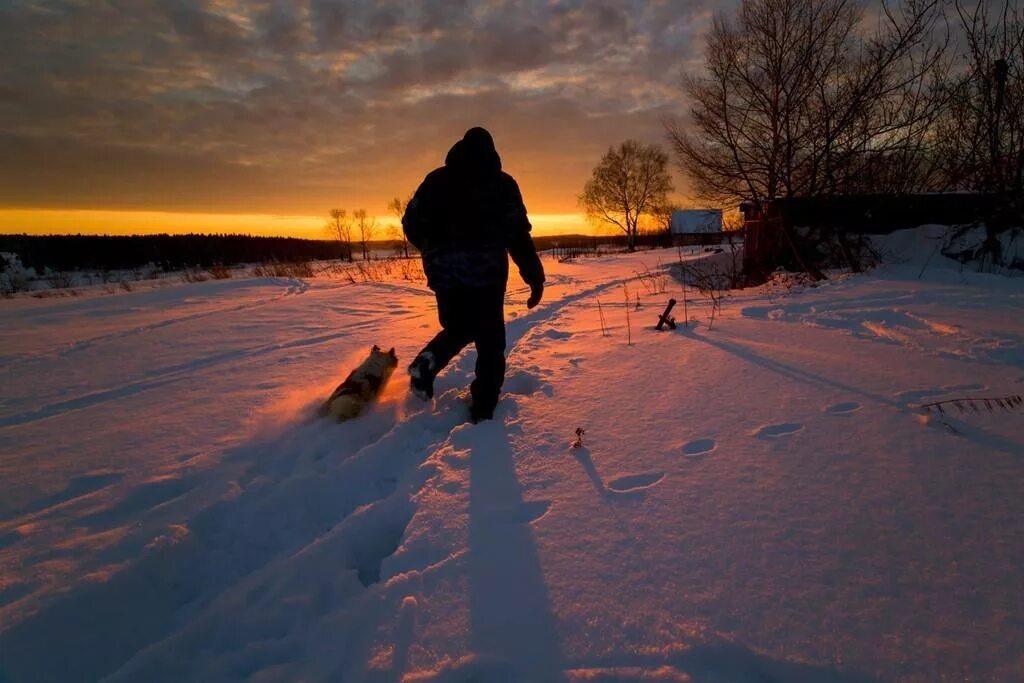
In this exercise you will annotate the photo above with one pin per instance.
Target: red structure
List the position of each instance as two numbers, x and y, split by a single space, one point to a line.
777 233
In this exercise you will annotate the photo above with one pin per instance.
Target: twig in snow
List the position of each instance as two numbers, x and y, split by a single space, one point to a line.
709 281
629 327
600 313
682 283
653 283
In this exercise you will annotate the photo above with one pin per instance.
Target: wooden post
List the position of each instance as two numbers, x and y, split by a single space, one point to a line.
665 319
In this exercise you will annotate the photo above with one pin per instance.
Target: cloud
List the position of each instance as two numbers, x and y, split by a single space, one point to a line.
302 104
283 26
203 28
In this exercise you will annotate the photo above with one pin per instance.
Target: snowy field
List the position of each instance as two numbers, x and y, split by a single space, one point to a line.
759 501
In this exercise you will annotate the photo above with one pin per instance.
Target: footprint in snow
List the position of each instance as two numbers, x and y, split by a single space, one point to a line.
776 431
555 334
629 483
699 447
843 408
524 513
525 383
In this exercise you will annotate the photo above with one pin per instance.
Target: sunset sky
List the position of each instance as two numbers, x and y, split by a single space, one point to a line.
216 115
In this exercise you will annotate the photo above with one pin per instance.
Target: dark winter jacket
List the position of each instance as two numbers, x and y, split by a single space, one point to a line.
467 215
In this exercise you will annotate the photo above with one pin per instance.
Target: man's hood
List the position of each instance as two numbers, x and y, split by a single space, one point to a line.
474 153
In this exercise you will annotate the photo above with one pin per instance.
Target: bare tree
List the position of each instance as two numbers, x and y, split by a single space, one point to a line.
982 134
395 234
397 208
365 225
631 181
802 97
663 216
339 227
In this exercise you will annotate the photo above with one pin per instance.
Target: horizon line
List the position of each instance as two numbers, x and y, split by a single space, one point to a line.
115 222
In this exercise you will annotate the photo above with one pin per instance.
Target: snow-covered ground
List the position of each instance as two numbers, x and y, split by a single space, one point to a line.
759 501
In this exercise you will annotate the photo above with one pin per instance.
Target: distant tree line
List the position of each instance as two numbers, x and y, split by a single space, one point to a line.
359 228
57 253
168 252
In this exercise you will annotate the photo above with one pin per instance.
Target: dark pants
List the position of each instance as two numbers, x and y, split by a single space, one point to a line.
474 315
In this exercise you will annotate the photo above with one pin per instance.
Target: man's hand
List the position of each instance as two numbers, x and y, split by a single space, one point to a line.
536 292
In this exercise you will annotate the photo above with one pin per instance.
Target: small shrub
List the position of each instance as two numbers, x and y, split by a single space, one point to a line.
653 283
782 283
710 280
300 269
59 279
53 293
409 270
218 271
193 276
412 270
12 282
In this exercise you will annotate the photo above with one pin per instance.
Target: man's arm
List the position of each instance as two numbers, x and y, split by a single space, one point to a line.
520 245
418 220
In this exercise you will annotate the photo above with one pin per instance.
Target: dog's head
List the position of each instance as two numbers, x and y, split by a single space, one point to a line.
387 358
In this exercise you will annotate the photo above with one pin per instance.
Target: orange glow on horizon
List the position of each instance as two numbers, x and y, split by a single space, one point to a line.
104 222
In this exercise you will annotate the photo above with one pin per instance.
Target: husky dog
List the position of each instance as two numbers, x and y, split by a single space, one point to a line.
361 386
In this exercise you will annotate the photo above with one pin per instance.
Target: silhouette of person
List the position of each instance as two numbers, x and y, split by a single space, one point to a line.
466 218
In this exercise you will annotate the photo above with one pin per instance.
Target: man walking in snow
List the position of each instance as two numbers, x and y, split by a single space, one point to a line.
464 218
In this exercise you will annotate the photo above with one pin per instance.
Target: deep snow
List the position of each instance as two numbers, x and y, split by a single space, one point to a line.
758 501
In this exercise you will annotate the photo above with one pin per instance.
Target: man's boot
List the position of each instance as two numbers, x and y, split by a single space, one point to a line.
479 411
421 375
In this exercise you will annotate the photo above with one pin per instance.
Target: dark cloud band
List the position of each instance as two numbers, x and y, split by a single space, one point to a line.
324 101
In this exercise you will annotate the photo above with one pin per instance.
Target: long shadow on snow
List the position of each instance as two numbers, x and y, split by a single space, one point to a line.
510 612
96 628
723 661
513 634
511 617
720 661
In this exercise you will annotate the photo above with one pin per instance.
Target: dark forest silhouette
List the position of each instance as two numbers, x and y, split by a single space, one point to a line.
167 252
177 252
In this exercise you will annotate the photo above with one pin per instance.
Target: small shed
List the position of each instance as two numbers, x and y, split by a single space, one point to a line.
696 226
